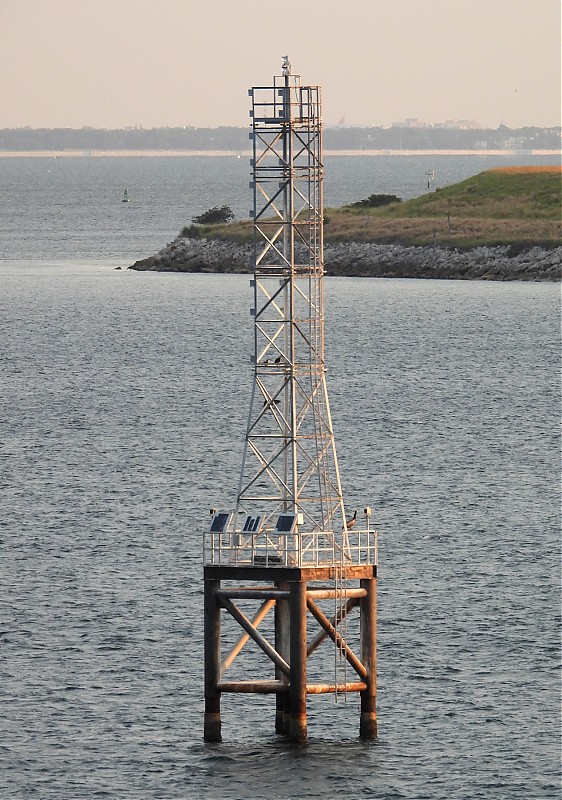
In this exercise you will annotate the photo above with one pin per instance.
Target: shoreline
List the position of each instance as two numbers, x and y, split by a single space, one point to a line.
247 153
368 259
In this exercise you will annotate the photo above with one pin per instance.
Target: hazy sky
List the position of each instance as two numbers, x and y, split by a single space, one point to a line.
117 63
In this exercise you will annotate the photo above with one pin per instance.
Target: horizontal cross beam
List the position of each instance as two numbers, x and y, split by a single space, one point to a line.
278 687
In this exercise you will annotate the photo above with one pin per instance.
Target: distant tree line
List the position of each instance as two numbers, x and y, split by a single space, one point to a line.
398 138
236 139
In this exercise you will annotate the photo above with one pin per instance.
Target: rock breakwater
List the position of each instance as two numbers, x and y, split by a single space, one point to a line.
370 260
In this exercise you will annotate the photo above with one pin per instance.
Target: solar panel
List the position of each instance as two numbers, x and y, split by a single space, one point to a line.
220 521
253 524
285 523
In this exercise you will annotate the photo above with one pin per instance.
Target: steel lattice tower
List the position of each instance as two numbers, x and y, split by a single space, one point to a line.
290 461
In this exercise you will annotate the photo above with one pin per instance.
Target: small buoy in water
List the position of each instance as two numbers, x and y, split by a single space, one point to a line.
125 196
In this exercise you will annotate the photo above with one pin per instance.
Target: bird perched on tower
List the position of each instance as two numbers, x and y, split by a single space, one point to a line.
352 521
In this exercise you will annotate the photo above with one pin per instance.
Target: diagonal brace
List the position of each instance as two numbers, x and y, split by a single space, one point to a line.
258 617
260 640
337 638
335 620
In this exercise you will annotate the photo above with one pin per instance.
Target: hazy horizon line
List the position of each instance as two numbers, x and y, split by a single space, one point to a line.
421 127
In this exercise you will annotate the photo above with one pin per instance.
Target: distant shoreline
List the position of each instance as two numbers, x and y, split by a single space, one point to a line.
246 153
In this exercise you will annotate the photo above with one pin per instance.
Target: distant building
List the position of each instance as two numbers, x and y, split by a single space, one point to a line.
458 125
450 124
410 122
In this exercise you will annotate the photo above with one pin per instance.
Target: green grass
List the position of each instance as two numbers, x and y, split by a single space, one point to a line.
519 206
497 194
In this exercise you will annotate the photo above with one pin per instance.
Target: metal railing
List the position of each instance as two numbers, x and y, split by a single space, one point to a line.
269 549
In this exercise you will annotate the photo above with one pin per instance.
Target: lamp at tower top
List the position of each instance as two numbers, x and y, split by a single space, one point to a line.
286 66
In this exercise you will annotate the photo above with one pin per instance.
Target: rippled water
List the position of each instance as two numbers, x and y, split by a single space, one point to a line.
123 402
70 208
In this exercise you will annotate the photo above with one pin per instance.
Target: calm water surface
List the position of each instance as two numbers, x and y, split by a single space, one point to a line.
123 399
69 208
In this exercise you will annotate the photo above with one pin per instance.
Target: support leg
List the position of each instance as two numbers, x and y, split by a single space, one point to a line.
296 727
282 645
212 725
368 723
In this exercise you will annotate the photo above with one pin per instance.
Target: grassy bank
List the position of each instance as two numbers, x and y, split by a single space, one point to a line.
518 206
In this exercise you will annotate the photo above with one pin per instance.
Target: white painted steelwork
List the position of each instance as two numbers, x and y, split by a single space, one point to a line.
301 549
289 462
